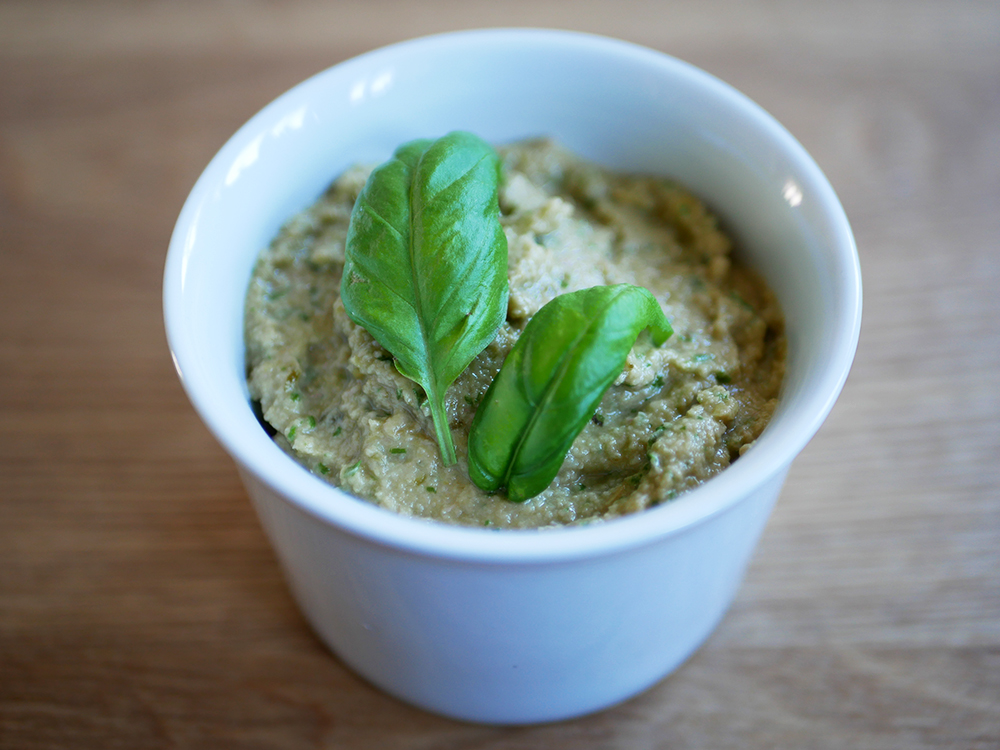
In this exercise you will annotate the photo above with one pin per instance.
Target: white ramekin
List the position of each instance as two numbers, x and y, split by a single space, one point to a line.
515 626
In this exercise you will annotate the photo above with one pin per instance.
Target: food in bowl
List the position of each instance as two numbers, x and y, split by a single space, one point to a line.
515 627
676 414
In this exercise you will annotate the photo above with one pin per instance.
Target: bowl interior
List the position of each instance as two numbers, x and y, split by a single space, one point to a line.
620 105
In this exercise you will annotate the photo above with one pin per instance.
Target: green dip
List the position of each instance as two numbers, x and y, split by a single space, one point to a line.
677 415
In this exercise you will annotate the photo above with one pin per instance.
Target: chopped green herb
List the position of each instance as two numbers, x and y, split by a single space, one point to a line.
722 377
294 396
397 450
659 430
311 421
323 468
337 431
430 489
352 469
658 383
739 298
291 433
399 394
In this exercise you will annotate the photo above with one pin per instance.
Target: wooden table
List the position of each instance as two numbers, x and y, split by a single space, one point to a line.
140 605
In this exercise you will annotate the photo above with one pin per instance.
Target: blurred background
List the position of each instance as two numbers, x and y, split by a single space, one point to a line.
140 605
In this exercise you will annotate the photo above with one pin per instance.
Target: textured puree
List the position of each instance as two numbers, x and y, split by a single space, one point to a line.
677 414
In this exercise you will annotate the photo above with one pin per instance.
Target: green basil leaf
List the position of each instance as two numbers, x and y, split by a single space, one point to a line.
552 382
426 262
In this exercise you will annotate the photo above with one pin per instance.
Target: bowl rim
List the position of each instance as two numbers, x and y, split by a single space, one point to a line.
768 460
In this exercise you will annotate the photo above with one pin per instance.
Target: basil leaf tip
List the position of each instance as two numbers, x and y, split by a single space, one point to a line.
426 262
552 382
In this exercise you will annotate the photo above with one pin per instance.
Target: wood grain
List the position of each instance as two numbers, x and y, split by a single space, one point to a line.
140 605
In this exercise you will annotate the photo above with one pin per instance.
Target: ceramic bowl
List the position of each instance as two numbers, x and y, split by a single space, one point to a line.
515 626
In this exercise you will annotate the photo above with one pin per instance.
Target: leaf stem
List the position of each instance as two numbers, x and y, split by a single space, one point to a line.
443 431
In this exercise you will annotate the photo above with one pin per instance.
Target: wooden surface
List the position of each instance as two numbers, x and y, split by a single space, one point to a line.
140 605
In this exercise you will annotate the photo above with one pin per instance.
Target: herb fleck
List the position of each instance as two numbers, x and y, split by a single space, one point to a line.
659 430
741 300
